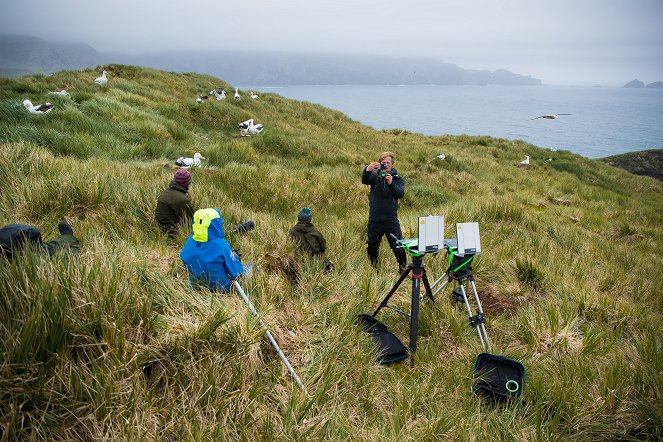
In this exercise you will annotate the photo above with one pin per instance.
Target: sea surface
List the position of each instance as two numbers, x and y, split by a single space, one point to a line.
605 120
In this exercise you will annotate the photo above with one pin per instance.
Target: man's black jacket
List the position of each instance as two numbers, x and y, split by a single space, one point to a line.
383 199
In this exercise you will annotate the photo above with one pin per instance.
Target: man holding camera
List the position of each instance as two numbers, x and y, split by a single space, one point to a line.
387 187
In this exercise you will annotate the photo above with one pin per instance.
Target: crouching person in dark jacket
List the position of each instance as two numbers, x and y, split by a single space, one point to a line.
173 205
309 238
207 254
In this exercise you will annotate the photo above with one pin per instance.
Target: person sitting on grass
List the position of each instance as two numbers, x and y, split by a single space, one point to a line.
207 255
309 238
173 205
16 237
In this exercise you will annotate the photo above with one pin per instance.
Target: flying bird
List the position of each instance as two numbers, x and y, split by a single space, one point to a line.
38 109
525 162
237 97
248 127
101 80
186 162
548 117
62 92
254 95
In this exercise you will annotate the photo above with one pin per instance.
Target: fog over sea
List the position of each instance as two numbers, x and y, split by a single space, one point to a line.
605 121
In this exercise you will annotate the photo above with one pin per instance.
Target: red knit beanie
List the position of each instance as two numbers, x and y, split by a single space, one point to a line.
182 177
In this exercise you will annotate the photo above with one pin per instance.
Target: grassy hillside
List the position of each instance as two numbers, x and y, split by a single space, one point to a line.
117 345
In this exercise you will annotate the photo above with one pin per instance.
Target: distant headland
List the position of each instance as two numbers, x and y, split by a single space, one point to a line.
23 55
639 84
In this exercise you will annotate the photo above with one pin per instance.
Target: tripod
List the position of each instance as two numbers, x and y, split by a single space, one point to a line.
418 274
460 274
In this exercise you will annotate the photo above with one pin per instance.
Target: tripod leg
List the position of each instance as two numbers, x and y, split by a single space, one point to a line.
437 281
414 312
479 311
393 289
429 292
469 311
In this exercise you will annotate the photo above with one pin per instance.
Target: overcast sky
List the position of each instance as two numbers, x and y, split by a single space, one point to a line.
558 41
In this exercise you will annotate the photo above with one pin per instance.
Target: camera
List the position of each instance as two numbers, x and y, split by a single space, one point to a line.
383 170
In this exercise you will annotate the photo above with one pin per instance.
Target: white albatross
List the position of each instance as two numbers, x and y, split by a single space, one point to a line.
201 98
237 97
101 80
525 162
548 117
219 95
62 92
38 109
186 162
441 156
254 96
248 127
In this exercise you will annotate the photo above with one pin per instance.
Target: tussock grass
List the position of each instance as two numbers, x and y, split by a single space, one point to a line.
116 345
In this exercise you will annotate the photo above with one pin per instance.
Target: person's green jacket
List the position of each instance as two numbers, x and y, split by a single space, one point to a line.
309 238
173 207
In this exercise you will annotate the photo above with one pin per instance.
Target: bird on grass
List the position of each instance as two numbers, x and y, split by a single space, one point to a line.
441 156
38 109
201 98
254 95
248 127
220 94
101 80
548 160
186 162
237 97
548 117
62 92
525 162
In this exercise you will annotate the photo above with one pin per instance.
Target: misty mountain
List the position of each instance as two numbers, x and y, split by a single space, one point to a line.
20 55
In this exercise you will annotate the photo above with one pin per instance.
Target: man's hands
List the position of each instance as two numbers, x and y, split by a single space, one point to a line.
371 167
376 166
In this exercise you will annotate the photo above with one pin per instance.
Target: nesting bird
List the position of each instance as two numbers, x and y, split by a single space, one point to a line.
62 92
254 95
38 109
201 98
220 94
548 117
186 162
101 80
525 162
237 97
248 127
441 156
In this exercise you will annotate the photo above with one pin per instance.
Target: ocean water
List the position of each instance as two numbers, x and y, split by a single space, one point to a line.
605 120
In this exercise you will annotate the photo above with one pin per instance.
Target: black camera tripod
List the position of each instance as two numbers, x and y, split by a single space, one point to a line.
418 274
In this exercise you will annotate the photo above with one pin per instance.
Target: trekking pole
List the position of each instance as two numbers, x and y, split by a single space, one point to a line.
269 336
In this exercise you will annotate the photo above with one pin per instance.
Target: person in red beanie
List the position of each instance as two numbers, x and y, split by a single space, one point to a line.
173 205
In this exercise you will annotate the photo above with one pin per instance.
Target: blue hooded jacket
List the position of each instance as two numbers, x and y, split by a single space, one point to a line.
207 255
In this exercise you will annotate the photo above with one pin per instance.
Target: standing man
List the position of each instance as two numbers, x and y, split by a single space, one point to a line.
173 205
387 187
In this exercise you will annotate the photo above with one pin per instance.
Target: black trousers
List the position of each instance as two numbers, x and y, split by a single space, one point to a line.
378 229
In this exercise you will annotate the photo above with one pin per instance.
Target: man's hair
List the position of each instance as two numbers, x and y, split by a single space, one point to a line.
384 155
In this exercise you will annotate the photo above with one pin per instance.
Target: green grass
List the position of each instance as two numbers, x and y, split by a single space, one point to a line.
116 345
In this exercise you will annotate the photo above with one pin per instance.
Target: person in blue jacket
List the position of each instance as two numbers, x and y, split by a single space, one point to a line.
207 255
